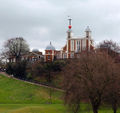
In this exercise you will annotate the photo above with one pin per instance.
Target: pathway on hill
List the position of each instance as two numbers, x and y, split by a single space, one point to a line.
3 73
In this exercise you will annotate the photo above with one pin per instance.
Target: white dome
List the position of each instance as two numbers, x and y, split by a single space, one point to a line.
35 50
50 47
88 29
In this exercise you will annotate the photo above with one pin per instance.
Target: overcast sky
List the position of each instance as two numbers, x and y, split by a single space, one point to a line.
42 21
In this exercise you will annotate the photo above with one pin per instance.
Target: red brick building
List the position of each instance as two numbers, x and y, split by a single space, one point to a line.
50 53
74 46
78 44
33 56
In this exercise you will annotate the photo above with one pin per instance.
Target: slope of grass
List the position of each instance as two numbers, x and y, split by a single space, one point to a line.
46 108
20 97
32 108
17 92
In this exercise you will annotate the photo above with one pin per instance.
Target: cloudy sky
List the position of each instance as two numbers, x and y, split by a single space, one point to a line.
42 21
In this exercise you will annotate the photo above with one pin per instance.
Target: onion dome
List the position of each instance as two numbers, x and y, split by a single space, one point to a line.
87 29
50 47
35 50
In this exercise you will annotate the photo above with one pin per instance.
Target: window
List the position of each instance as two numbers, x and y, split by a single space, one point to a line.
72 55
49 53
48 57
78 45
64 55
72 45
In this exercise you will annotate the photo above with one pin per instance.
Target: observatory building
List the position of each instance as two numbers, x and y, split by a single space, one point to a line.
74 45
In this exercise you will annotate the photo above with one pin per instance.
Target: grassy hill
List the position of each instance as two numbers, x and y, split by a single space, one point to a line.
32 108
17 92
20 97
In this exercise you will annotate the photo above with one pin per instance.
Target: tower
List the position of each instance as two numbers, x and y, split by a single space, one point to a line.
69 32
88 32
88 38
69 36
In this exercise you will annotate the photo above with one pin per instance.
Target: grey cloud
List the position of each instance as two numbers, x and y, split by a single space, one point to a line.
42 21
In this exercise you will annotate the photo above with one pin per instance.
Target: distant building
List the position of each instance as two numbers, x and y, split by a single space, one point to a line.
74 46
50 53
31 57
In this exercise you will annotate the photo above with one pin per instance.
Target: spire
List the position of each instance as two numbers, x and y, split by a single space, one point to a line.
50 43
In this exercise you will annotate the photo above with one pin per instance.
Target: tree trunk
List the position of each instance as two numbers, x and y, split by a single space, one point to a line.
77 108
50 94
114 108
95 110
96 101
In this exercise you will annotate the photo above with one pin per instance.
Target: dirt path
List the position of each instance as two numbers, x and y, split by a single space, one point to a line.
3 73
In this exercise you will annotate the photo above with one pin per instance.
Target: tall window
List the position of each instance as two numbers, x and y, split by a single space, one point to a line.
48 57
78 45
72 45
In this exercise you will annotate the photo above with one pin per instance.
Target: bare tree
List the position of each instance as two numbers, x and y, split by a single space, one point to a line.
72 86
112 94
51 69
94 73
112 48
15 48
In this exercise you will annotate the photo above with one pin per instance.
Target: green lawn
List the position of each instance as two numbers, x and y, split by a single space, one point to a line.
32 108
44 108
18 92
20 97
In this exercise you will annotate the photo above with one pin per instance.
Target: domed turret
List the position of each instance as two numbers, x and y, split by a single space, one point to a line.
88 32
87 29
50 47
35 50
